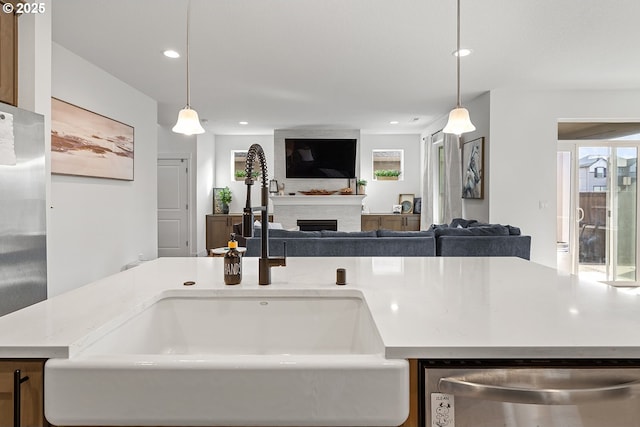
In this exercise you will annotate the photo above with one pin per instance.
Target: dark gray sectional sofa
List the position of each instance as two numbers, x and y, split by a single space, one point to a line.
481 240
460 238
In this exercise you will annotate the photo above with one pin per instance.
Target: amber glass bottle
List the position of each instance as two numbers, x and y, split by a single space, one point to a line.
232 264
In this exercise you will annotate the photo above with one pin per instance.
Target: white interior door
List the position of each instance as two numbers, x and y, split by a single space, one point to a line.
173 208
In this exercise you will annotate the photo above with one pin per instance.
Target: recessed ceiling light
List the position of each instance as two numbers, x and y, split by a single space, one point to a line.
243 123
394 122
463 52
171 54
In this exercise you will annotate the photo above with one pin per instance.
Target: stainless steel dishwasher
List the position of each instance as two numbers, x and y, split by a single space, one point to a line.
529 393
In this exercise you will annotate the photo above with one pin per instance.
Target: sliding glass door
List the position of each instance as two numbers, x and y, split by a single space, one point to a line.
597 210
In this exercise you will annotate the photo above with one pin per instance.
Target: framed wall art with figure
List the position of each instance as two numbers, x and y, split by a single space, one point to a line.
473 169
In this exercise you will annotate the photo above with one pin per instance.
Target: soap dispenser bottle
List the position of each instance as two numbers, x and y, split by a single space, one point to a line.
232 263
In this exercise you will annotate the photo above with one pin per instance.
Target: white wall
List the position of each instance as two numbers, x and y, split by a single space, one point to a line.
224 145
479 111
524 129
382 195
99 225
205 146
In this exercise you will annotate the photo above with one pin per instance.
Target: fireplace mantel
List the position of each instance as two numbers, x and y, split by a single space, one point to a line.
346 209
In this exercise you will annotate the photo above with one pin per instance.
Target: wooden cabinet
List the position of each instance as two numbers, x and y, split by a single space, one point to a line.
370 222
30 391
8 56
397 222
220 227
412 222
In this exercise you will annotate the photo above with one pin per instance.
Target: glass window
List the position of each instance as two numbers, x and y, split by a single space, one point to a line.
600 172
388 165
238 163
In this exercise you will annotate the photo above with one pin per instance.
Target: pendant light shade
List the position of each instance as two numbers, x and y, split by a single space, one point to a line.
459 121
188 122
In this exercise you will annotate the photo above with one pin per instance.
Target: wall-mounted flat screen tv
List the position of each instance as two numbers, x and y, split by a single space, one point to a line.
320 158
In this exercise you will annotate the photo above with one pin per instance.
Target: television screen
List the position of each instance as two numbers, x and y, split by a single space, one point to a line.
320 158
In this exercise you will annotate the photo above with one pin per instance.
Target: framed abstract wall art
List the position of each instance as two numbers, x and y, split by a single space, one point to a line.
85 143
473 169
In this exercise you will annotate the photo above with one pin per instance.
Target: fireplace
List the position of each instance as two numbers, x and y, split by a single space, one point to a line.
343 209
318 224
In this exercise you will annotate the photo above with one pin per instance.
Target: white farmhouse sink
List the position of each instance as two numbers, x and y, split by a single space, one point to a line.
252 358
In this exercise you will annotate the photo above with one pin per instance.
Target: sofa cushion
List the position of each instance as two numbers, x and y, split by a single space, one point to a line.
502 246
394 233
436 226
513 231
359 234
292 234
289 234
491 230
462 223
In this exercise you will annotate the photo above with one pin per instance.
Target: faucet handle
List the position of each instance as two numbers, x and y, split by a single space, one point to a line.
247 222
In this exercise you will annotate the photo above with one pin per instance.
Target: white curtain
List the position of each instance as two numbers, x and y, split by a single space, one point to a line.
452 178
452 175
428 177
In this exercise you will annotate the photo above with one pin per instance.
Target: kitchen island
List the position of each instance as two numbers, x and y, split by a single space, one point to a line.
423 308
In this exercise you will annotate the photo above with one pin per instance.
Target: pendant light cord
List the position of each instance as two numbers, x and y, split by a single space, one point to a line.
457 55
188 79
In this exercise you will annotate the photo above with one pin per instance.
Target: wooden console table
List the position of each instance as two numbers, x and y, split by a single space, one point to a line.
397 222
220 226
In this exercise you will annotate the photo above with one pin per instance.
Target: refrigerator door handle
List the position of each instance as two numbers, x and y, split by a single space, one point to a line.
461 386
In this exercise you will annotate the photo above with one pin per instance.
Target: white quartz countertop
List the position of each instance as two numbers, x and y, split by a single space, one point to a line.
434 307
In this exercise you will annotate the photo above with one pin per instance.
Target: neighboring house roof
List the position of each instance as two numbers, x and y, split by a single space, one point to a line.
588 161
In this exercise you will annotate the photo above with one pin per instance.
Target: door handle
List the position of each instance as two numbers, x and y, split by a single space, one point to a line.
471 385
18 379
580 215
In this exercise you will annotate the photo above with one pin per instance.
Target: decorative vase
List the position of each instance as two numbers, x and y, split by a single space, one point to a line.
225 208
361 189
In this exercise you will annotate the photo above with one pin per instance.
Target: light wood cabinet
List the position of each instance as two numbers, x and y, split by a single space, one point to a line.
397 222
8 56
220 227
29 391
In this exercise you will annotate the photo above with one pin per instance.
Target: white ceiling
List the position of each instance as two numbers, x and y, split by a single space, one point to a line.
349 63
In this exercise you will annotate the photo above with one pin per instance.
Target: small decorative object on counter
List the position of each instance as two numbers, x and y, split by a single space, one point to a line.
341 276
362 185
273 187
232 263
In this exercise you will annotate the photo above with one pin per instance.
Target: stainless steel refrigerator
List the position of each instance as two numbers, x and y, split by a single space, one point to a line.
23 252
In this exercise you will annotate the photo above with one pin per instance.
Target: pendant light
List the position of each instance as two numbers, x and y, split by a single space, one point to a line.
188 122
459 121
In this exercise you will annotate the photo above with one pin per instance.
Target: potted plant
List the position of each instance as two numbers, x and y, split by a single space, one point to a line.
361 183
225 198
387 174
